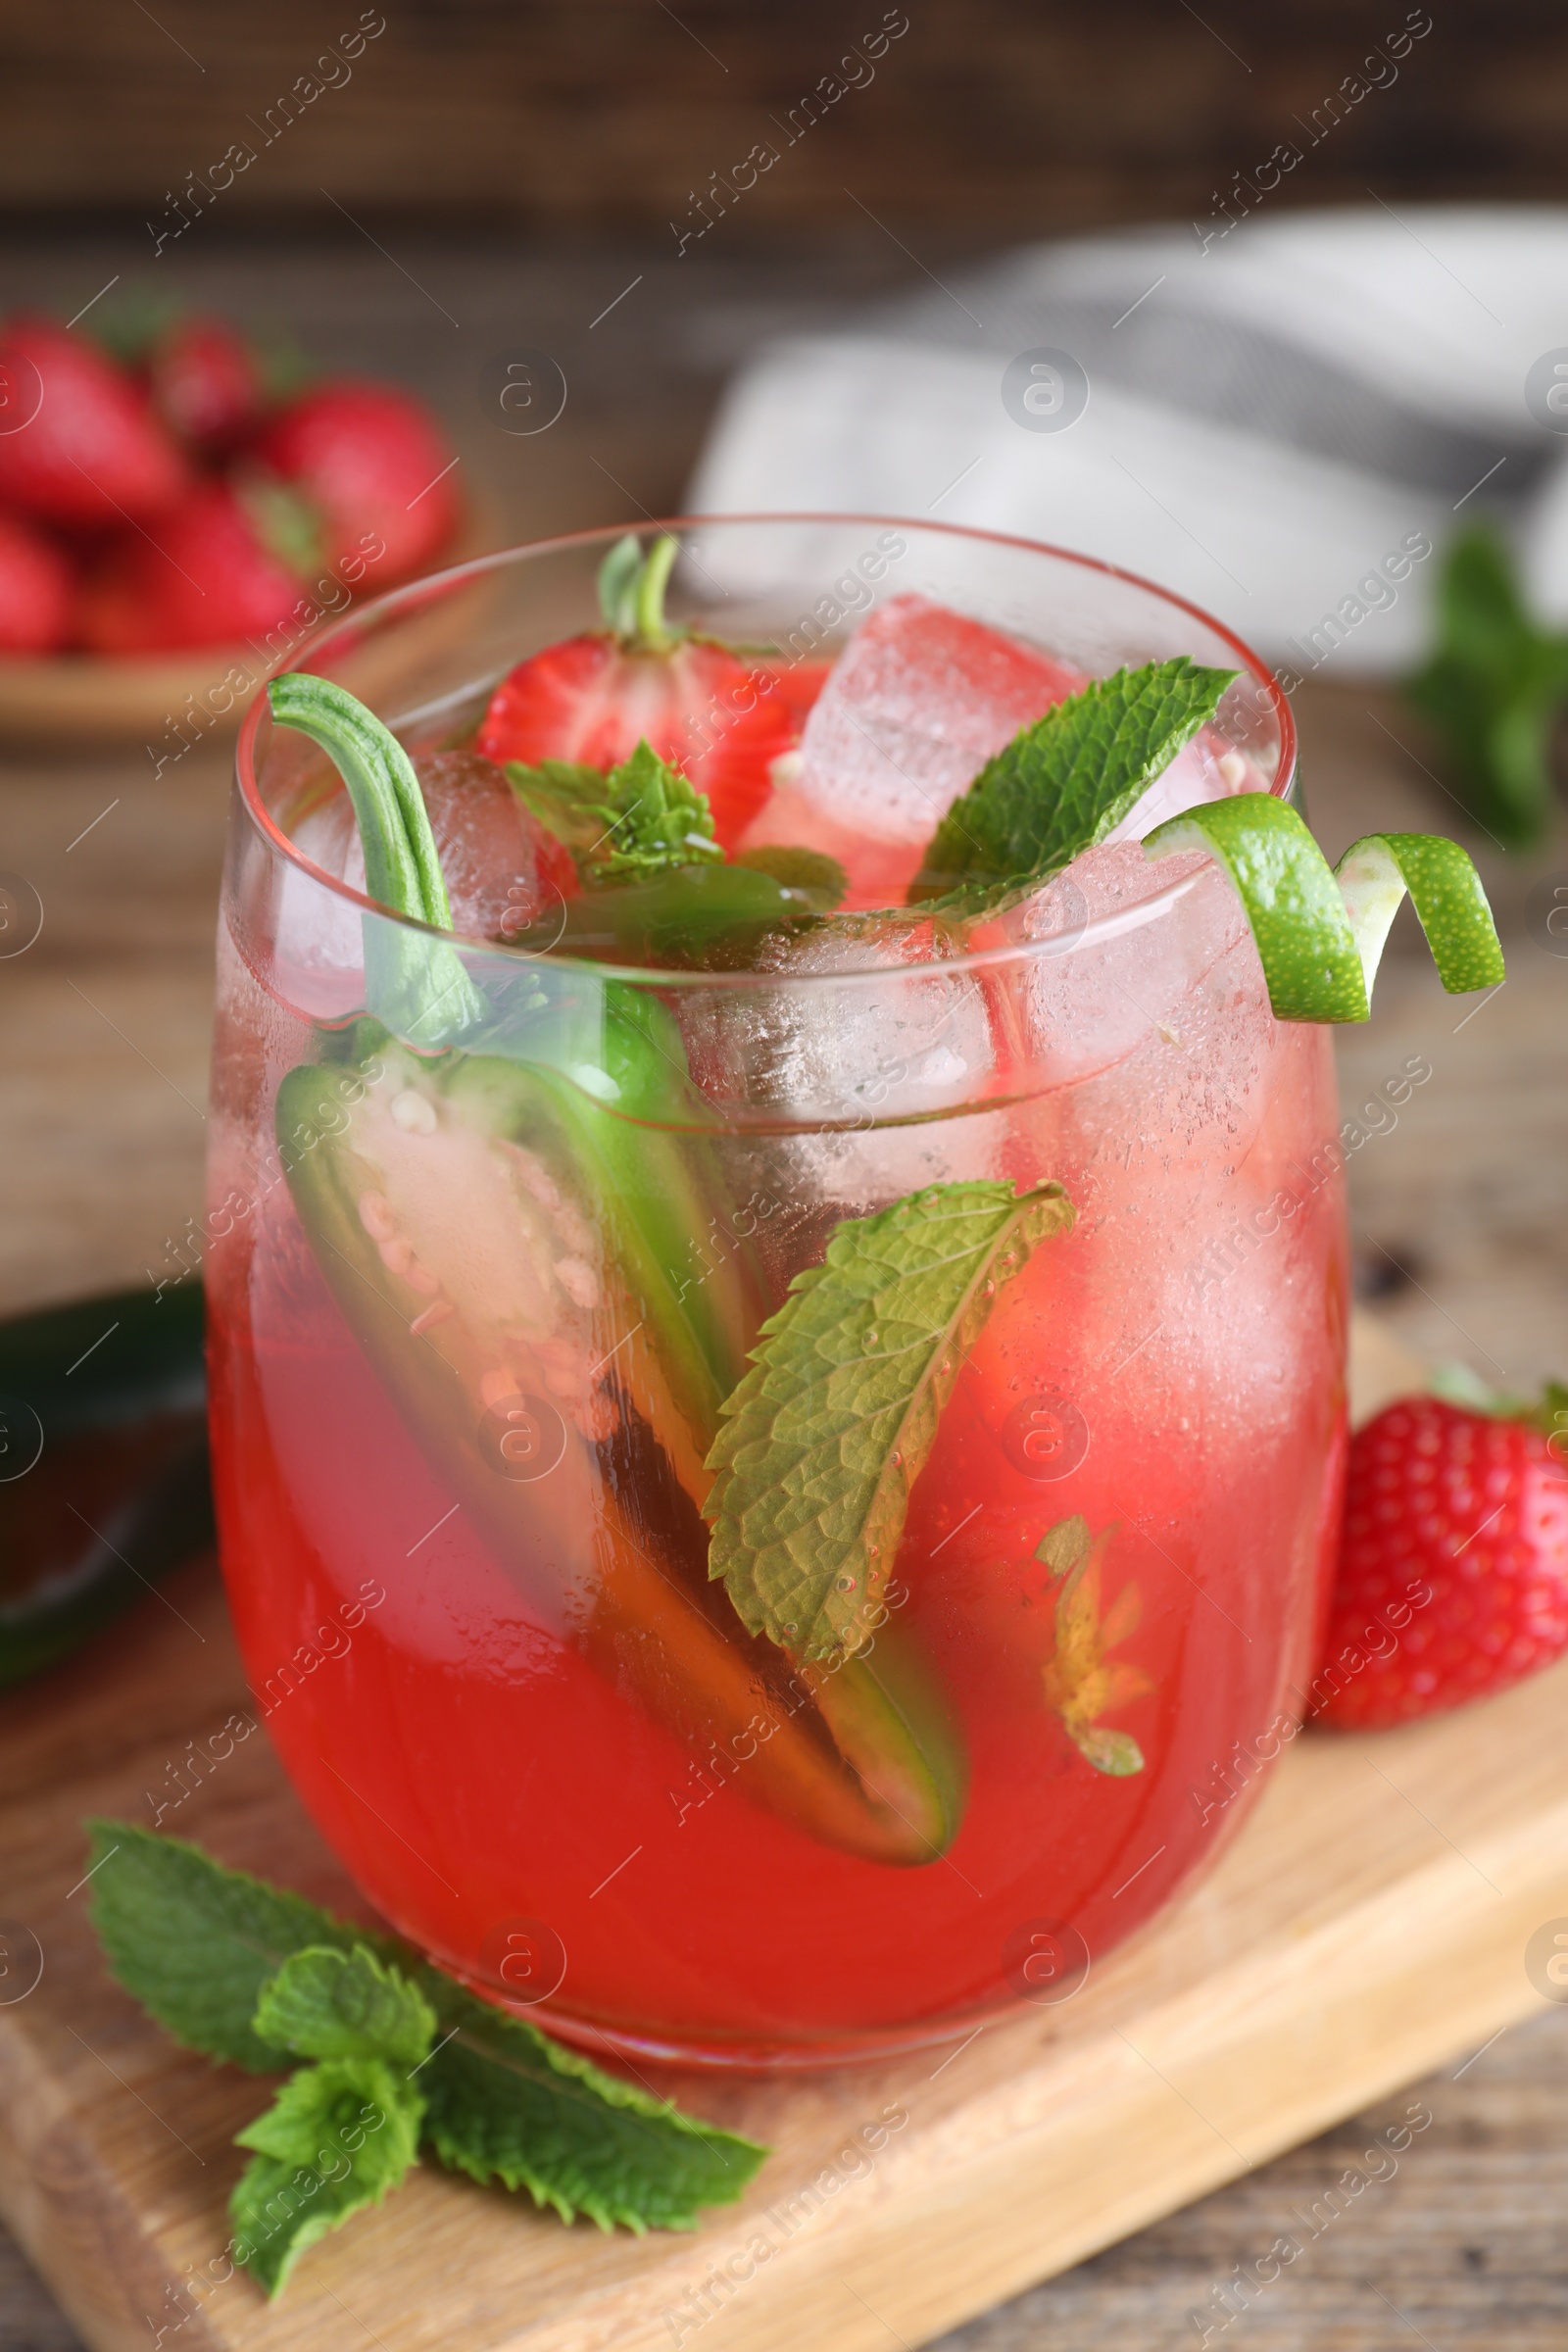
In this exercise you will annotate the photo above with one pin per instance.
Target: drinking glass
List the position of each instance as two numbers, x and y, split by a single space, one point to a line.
459 1472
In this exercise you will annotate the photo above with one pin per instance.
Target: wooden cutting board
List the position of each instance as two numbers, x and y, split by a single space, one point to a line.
1369 1923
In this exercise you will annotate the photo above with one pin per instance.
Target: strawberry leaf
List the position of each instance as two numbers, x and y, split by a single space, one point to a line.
825 1435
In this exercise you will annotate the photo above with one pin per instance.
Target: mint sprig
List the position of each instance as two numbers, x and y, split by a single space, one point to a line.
336 2138
1493 688
1065 781
653 821
254 1975
325 2004
638 820
824 1437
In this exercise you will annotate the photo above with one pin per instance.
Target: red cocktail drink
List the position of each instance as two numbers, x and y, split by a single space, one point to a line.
775 1493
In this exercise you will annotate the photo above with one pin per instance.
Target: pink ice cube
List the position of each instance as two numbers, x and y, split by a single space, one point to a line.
920 701
911 712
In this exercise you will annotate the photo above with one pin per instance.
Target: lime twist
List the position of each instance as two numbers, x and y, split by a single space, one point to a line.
1321 931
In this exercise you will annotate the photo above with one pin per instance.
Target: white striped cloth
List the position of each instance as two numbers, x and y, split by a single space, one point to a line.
1284 423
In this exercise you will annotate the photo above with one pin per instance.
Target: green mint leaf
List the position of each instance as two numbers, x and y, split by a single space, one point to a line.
504 2103
1493 688
335 2139
326 2003
637 821
199 1945
565 796
826 1433
194 1942
1063 783
813 872
653 821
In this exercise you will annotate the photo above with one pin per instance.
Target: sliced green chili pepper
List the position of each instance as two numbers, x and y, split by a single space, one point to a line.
509 1253
103 1464
513 1256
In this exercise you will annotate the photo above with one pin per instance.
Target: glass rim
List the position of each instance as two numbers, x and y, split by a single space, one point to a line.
347 629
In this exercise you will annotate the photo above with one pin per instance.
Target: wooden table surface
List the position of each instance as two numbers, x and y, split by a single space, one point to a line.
1457 1198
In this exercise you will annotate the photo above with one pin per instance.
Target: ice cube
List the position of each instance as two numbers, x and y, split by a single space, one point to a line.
505 875
1209 769
504 872
911 712
853 1022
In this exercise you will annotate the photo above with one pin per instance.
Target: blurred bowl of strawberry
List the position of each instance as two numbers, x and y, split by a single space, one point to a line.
207 382
176 518
37 590
368 458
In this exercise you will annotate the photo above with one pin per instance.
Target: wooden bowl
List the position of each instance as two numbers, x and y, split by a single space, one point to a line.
168 700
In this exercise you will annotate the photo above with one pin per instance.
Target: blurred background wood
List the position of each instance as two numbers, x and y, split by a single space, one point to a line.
987 120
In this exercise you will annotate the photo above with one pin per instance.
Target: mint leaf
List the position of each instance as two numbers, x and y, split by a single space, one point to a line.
205 1949
195 1943
638 820
813 872
325 2003
1063 783
567 797
504 2103
654 821
335 2139
1493 688
823 1438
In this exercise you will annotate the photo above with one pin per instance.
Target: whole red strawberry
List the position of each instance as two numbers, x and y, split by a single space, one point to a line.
204 574
205 382
1454 1571
80 444
374 461
36 589
720 717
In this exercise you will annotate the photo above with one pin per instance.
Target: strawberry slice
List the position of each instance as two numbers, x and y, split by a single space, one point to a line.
719 716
